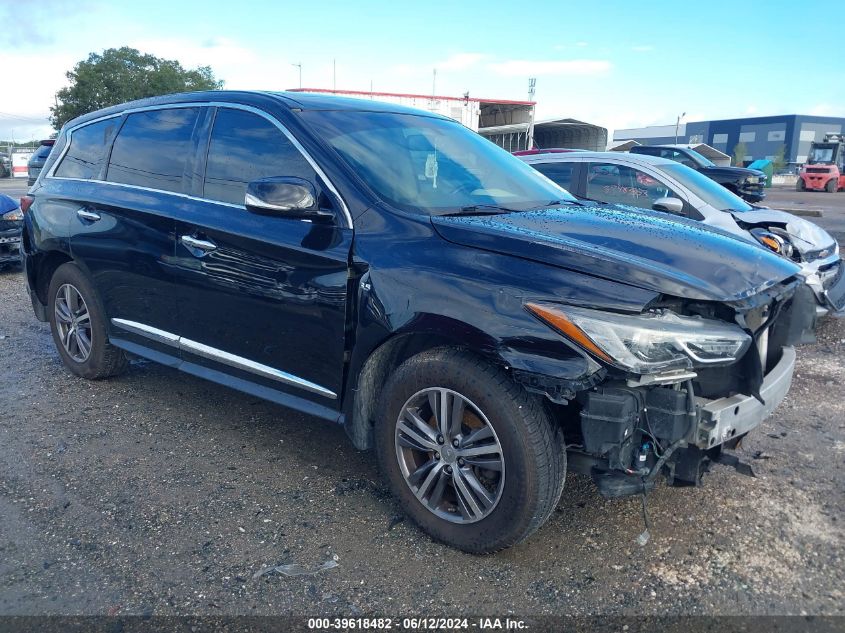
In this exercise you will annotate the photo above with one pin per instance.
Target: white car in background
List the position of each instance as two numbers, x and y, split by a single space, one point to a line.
642 182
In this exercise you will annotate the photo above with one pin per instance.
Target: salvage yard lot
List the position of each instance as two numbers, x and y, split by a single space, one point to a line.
159 493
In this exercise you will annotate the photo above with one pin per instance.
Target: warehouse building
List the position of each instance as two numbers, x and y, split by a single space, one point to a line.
507 123
763 136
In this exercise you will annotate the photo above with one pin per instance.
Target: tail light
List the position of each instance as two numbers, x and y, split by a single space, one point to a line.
26 202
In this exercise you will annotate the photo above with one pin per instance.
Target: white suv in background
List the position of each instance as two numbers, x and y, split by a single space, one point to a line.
642 182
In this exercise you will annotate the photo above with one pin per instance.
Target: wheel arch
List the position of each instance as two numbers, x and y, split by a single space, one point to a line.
371 373
42 269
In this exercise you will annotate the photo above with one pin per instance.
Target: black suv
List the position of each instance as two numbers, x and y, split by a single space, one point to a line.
37 160
389 270
746 183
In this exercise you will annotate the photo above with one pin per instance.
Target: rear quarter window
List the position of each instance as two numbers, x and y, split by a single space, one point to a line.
153 149
87 152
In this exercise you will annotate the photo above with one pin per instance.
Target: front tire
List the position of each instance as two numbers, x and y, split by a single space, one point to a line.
799 185
473 458
78 325
831 185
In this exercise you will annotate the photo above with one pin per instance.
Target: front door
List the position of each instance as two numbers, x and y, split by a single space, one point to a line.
262 298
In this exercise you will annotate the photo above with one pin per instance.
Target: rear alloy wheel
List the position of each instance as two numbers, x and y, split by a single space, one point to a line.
78 324
73 323
474 459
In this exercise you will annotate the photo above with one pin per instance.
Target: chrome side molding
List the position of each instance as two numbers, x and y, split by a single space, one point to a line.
212 353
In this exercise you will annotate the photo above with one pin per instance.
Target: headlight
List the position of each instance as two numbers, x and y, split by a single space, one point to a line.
773 241
646 343
16 215
752 180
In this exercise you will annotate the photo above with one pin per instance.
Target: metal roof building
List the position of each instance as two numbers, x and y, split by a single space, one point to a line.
507 123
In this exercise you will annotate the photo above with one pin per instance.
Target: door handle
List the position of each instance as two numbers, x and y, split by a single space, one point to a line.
193 242
90 216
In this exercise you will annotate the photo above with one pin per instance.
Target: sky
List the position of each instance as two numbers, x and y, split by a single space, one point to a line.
615 63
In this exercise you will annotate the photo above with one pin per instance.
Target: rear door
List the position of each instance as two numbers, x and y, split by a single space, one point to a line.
262 298
124 228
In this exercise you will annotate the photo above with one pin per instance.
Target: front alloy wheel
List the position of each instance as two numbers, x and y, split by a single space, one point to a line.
449 455
472 458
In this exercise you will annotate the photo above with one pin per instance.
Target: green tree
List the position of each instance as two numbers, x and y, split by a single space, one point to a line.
779 161
740 151
123 74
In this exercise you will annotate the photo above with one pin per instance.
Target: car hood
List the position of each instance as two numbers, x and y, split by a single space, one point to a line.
732 172
652 251
809 239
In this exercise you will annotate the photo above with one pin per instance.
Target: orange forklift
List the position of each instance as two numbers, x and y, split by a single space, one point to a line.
825 166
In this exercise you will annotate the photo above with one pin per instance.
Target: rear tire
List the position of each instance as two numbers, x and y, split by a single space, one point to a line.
523 448
78 325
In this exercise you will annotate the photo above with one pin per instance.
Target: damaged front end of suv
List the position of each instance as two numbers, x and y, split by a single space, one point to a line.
676 384
666 387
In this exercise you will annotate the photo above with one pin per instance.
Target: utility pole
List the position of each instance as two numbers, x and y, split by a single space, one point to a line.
434 84
532 89
678 123
299 65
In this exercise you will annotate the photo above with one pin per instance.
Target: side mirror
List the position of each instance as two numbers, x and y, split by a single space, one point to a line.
284 197
669 205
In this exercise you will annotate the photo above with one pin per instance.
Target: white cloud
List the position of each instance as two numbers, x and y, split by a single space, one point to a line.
527 67
32 80
825 109
460 61
239 67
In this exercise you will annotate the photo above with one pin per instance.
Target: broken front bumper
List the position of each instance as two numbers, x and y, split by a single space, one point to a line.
726 418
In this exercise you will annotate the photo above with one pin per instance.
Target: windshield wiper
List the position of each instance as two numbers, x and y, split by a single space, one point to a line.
495 209
483 209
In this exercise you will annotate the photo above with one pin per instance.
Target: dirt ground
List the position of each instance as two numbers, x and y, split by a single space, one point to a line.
158 493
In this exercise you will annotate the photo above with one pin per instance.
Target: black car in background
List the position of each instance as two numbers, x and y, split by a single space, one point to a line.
11 223
746 183
37 160
390 270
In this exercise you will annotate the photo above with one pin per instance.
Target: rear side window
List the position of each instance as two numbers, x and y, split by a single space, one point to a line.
559 173
87 151
153 149
246 147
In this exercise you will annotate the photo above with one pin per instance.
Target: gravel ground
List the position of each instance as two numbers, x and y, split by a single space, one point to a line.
159 493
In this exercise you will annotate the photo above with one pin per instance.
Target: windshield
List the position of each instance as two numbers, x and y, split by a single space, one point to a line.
700 159
431 165
821 154
708 190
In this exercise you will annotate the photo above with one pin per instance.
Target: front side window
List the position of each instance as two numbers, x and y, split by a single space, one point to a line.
618 184
153 149
710 191
559 173
87 151
430 165
246 147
